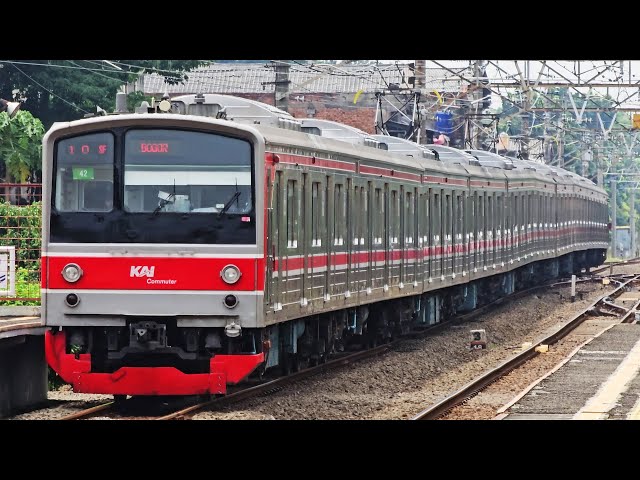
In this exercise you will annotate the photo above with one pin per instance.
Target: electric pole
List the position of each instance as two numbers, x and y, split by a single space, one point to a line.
477 104
561 142
420 82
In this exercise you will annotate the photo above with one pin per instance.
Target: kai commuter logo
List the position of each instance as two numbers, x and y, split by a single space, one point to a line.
142 271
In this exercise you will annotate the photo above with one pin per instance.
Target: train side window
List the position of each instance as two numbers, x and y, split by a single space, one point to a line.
448 217
408 220
340 207
460 216
394 222
293 213
379 217
364 225
436 215
317 213
356 217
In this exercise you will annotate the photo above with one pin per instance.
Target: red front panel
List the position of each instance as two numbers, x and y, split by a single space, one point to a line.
155 273
223 370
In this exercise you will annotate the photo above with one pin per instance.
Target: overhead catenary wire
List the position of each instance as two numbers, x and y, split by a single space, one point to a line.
49 91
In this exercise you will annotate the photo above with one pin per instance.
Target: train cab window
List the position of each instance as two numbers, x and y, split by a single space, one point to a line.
84 167
187 172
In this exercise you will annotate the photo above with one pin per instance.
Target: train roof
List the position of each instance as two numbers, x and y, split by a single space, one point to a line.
453 155
404 146
236 109
490 159
338 131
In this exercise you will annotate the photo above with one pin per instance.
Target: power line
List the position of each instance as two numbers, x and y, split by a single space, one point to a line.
45 88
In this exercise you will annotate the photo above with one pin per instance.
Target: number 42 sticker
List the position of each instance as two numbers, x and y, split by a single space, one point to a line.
83 173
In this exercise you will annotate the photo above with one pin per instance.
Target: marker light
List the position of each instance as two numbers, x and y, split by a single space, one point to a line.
71 272
230 274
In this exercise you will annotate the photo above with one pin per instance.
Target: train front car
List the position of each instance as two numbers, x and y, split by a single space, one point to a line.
153 253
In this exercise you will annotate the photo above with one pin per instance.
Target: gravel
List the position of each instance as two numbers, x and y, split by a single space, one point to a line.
420 372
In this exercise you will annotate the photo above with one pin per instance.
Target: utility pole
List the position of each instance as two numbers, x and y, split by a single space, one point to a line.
477 104
546 144
282 86
599 175
420 74
561 142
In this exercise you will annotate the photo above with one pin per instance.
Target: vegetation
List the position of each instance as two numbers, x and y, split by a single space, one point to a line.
20 146
64 90
20 227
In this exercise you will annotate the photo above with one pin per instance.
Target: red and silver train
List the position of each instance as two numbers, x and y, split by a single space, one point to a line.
210 238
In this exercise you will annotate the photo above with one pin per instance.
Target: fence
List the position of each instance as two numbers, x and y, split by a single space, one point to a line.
21 228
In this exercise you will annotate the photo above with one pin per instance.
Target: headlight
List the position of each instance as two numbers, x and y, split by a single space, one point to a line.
230 274
71 272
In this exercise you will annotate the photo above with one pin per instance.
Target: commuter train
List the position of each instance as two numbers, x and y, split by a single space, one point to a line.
208 238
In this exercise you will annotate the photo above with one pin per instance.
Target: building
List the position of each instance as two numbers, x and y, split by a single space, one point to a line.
343 93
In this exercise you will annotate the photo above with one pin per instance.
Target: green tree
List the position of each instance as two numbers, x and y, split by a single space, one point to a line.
64 90
20 145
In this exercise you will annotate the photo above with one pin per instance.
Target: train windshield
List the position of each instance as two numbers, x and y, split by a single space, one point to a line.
84 173
153 185
187 172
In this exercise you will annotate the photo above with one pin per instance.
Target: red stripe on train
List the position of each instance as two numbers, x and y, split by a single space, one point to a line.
155 273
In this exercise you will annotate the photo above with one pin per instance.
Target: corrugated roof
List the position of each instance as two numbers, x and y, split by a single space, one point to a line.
306 78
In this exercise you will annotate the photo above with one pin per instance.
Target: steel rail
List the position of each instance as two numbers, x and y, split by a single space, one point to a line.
443 406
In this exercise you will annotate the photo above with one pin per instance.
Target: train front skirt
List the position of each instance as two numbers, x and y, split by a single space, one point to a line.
76 370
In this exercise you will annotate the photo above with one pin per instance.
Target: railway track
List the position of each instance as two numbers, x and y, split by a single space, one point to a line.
244 392
604 305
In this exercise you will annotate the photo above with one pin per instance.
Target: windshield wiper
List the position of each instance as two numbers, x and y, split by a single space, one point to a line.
228 204
162 203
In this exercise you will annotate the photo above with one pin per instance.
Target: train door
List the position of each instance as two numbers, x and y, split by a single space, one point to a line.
471 203
437 238
473 219
274 265
526 225
481 236
422 262
410 236
338 272
447 221
514 225
358 220
541 220
458 232
387 235
394 235
293 262
491 229
501 232
317 214
378 242
368 235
